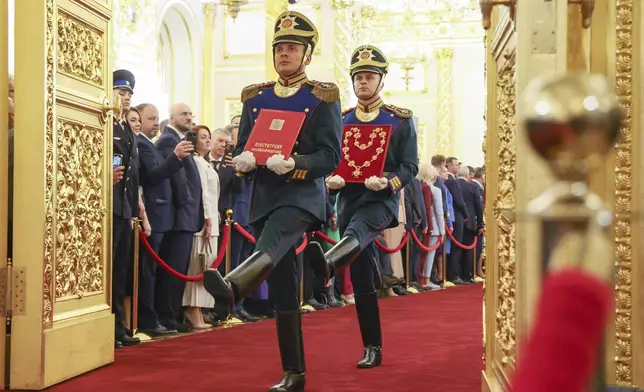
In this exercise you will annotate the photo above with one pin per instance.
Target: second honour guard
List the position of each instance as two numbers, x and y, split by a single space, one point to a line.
289 195
379 157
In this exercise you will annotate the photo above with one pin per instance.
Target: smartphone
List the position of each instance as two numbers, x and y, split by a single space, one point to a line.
191 137
229 148
117 161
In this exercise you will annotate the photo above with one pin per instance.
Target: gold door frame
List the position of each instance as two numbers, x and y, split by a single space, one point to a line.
4 179
63 153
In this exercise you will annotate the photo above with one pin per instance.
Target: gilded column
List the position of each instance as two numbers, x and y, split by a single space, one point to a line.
444 100
208 66
273 9
343 46
624 192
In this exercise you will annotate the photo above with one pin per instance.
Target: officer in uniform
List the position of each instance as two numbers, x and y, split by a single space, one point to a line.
289 196
126 207
366 209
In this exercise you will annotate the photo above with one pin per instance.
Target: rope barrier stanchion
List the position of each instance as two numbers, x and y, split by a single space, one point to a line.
444 262
300 248
134 313
229 243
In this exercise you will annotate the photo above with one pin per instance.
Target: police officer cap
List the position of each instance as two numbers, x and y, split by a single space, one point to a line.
123 79
294 27
368 58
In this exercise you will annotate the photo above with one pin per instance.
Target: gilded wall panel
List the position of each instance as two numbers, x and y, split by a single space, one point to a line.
81 49
80 209
504 208
623 196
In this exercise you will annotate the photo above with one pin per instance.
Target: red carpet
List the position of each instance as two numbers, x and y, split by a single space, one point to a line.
432 342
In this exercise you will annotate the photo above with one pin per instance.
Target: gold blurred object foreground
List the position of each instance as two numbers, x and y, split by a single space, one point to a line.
572 121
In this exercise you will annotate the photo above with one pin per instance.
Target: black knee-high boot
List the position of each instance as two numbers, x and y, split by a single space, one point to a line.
241 281
325 264
289 336
369 320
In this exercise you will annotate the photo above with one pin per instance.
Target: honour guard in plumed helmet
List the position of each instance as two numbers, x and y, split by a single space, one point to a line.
125 201
379 157
289 195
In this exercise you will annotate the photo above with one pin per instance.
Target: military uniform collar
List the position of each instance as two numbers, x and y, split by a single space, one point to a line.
368 113
293 81
375 105
286 88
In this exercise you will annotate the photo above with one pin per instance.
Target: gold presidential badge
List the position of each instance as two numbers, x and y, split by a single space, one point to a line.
365 54
288 23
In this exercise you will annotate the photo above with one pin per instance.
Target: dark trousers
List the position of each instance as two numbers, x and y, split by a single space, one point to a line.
479 248
240 249
175 250
148 318
121 265
364 271
415 253
384 261
366 223
467 255
454 258
278 236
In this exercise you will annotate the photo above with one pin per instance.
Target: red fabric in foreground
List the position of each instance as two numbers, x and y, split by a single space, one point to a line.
432 342
562 350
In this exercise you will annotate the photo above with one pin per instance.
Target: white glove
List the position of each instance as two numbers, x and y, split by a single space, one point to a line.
280 166
375 184
335 182
245 162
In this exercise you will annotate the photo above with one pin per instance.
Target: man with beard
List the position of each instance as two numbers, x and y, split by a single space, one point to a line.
366 209
125 206
289 196
154 175
188 219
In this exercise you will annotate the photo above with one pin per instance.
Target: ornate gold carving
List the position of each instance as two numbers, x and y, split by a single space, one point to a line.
344 43
48 254
623 197
80 209
80 49
504 206
444 99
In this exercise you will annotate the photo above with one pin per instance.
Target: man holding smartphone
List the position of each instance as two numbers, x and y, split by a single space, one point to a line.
125 204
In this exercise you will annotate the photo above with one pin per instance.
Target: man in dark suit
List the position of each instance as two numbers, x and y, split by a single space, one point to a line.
154 176
416 215
125 206
288 196
471 227
479 181
461 215
188 220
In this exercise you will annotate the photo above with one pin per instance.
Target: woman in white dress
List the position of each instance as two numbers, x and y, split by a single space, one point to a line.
204 248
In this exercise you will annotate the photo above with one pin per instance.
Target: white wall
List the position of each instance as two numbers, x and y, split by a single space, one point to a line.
239 60
180 23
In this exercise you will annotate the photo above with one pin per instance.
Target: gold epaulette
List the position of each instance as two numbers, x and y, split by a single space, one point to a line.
251 91
348 111
326 92
400 112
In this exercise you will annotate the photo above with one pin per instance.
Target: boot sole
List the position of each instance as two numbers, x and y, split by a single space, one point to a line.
314 255
216 286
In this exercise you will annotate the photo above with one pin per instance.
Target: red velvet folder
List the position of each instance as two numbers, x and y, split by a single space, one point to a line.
364 151
275 132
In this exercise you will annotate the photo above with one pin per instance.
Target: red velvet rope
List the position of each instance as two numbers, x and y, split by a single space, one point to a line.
380 244
172 271
466 247
244 233
423 246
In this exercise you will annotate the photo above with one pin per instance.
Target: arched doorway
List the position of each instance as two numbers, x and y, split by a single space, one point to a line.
179 57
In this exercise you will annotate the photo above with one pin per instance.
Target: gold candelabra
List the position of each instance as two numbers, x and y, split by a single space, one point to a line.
234 7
